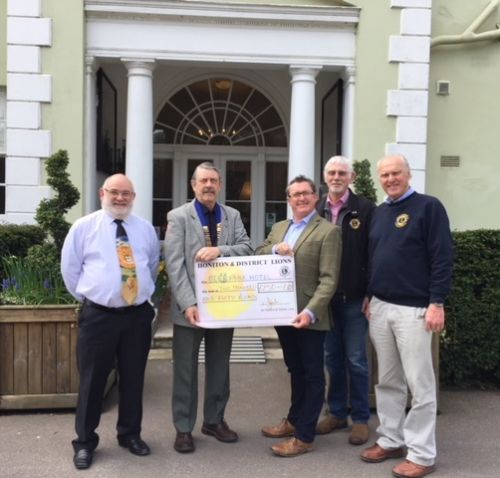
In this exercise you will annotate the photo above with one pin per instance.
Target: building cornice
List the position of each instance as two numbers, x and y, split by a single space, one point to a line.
233 13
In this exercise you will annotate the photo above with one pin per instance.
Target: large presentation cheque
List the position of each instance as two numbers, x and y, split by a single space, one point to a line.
246 291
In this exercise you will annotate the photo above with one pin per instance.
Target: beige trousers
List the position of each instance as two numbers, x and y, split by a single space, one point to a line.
404 356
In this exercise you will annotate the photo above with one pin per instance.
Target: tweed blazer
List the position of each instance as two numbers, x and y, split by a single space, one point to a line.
183 239
317 255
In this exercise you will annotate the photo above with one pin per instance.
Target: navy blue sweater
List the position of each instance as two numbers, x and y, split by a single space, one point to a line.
411 252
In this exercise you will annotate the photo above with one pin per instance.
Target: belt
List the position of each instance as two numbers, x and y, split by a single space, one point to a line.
112 310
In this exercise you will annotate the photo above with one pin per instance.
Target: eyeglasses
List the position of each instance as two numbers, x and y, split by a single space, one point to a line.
114 193
299 194
340 174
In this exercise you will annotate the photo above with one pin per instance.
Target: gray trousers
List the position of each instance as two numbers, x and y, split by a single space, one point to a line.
186 346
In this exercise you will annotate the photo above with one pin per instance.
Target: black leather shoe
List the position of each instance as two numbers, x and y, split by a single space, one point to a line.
135 445
83 459
221 431
184 442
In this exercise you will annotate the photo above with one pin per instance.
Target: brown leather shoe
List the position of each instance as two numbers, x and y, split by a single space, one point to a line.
376 454
408 469
221 431
292 447
184 442
284 429
359 434
330 423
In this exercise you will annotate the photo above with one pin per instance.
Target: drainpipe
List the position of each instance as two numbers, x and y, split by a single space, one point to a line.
469 35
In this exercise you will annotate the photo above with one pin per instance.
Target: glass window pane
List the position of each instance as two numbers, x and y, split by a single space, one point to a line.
236 113
200 91
274 212
160 210
276 137
2 199
258 103
182 100
238 181
162 179
240 92
2 169
245 210
276 179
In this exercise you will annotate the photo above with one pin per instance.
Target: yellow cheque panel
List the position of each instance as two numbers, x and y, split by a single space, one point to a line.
246 291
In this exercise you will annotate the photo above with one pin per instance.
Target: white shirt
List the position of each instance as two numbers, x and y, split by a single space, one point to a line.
89 261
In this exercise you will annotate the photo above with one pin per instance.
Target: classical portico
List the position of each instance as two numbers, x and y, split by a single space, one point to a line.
243 41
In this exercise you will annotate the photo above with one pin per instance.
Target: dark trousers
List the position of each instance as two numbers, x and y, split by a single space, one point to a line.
346 361
303 354
107 338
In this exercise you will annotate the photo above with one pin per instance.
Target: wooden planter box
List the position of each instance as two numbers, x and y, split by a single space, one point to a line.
38 357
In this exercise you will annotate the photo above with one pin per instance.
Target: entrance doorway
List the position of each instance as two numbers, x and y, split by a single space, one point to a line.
254 184
236 127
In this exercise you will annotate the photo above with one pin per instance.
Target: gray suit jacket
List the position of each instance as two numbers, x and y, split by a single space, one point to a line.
317 255
183 239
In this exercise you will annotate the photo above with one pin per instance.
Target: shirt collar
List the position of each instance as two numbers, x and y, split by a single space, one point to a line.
408 193
111 219
205 208
342 200
306 219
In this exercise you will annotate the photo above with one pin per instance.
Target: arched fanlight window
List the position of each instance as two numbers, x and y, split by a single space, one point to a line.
220 111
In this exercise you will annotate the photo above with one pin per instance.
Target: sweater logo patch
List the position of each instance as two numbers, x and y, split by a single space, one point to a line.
402 220
355 223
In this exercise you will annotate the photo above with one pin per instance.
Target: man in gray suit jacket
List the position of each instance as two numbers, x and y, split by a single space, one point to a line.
201 230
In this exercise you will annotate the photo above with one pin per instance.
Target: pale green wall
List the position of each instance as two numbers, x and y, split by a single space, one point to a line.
374 76
3 42
64 60
465 123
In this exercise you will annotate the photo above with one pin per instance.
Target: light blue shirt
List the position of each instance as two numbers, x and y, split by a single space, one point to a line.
408 192
89 261
291 236
296 229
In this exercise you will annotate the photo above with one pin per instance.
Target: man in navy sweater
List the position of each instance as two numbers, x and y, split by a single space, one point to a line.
411 260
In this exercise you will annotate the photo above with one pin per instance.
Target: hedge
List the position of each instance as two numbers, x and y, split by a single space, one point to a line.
15 240
470 344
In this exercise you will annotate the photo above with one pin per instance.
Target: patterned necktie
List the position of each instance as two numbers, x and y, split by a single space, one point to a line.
127 264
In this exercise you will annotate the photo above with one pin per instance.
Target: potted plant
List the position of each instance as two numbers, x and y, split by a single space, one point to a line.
38 318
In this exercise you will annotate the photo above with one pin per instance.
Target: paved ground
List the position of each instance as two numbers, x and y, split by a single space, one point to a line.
38 444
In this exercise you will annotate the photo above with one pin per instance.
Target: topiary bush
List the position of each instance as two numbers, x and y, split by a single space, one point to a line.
363 182
51 212
36 278
470 344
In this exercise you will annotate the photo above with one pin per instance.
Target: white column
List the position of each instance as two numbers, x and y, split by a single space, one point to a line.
139 158
302 125
348 113
90 174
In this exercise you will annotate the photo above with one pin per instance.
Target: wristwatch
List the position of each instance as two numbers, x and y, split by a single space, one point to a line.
437 304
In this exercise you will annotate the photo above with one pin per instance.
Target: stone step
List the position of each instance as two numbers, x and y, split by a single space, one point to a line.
163 336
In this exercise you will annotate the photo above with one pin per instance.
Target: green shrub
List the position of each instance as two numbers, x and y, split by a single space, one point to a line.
470 344
50 212
15 239
34 277
363 182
